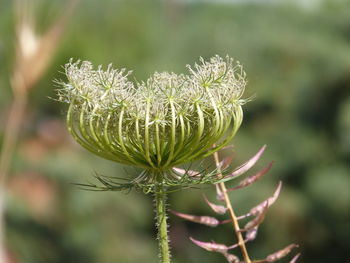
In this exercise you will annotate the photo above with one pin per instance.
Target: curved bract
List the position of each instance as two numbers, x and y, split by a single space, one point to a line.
168 120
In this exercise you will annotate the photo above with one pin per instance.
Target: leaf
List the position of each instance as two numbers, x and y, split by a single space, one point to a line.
231 258
211 246
270 201
246 166
225 162
219 193
219 209
230 146
181 171
281 253
204 220
257 220
251 234
243 216
32 63
295 258
252 179
251 228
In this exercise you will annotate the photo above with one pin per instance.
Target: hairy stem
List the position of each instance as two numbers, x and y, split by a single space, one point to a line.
233 217
161 217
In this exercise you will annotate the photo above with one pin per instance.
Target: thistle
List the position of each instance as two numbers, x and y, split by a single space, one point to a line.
155 125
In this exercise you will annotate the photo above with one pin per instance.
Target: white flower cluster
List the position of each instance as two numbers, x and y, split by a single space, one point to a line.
98 89
217 82
149 124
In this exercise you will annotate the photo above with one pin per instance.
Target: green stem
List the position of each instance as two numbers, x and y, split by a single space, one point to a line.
163 240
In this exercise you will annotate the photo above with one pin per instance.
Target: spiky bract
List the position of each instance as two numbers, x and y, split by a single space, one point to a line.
168 120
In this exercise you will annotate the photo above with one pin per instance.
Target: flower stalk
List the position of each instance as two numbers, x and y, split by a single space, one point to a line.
162 227
233 216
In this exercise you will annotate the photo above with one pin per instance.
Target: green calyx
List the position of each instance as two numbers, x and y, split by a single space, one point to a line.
166 121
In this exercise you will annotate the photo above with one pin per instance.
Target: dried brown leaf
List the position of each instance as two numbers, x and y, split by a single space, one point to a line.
211 246
226 221
281 253
251 234
31 64
246 166
219 193
219 209
260 207
225 162
204 220
183 172
252 179
257 220
243 216
295 258
231 258
230 146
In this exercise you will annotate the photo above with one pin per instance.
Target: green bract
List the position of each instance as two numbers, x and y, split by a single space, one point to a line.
168 120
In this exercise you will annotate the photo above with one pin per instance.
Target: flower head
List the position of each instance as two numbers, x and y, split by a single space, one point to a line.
168 120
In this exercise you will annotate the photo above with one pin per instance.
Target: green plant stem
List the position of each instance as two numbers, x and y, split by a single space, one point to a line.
162 227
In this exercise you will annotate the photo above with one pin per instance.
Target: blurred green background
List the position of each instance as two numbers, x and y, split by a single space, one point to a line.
297 58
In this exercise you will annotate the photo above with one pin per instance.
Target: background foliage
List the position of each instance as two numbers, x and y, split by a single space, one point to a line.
298 63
